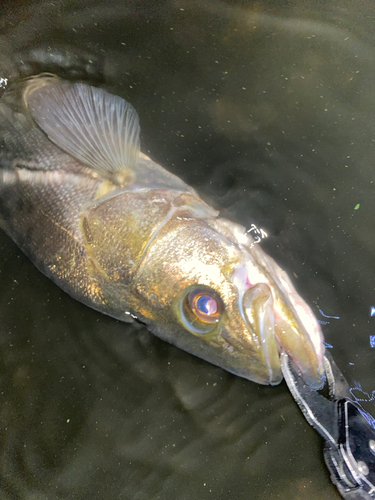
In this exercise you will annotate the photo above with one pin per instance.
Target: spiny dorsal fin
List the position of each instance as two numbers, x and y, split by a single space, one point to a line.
99 129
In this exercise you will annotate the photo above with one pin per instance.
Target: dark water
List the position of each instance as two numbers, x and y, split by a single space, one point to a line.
268 109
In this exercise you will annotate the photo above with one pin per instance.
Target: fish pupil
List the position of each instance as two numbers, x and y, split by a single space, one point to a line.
207 304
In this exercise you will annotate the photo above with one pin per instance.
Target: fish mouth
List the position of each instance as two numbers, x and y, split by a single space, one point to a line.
286 324
258 312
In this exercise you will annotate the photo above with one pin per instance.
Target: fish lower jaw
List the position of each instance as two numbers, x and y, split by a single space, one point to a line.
291 342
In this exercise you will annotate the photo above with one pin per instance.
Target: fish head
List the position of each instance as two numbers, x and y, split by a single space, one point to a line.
207 288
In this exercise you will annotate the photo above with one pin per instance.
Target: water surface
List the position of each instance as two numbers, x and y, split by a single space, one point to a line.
267 109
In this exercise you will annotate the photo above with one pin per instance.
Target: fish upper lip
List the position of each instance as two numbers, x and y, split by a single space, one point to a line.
258 315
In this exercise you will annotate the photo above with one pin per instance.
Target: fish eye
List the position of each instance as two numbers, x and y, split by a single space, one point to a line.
205 305
200 310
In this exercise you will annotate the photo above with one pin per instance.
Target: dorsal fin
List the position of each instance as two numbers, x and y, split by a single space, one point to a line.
99 129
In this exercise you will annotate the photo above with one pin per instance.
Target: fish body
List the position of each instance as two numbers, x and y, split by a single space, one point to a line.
123 235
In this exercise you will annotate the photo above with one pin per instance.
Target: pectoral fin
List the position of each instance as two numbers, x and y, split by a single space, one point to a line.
98 129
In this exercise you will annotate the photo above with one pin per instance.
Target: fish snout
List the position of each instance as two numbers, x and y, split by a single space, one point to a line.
291 327
298 334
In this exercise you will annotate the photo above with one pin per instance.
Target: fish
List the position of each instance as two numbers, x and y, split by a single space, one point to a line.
124 236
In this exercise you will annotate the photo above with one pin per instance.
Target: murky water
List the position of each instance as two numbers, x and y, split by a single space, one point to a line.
269 112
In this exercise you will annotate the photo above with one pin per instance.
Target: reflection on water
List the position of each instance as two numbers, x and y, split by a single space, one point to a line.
268 111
